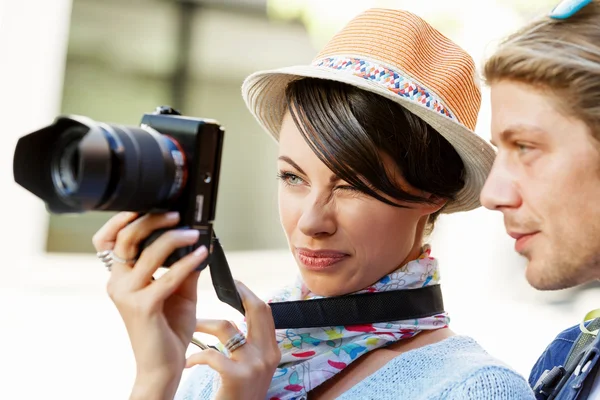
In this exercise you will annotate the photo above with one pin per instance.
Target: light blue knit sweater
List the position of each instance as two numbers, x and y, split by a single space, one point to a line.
456 368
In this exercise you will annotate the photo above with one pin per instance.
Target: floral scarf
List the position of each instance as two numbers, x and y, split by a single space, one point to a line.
310 356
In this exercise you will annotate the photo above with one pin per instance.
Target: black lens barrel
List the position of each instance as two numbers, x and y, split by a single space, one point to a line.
146 170
86 165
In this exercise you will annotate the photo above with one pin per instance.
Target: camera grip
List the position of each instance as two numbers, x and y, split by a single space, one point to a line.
178 253
220 273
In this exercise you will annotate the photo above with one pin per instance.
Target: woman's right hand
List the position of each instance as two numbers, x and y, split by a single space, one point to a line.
159 315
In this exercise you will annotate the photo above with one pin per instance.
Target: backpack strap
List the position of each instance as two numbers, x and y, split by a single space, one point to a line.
551 381
586 337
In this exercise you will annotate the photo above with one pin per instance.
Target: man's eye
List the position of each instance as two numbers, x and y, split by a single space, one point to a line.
522 148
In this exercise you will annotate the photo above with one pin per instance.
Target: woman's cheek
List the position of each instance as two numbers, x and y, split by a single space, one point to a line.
289 211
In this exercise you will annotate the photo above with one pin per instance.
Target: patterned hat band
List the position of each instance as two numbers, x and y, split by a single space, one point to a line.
387 78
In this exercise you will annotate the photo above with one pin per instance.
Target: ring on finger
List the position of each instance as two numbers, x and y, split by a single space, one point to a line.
237 341
108 257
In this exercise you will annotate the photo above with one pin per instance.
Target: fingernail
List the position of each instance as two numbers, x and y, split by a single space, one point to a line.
172 215
200 251
190 233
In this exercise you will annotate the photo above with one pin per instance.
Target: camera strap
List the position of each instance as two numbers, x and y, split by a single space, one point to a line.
354 309
359 309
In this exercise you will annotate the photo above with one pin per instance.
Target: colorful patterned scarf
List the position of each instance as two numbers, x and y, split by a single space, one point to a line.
310 356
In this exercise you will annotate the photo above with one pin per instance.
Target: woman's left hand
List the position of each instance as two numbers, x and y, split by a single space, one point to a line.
247 374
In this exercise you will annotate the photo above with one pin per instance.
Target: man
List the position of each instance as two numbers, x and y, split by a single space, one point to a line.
545 91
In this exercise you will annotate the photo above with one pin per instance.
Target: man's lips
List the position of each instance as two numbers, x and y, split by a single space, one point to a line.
521 239
320 259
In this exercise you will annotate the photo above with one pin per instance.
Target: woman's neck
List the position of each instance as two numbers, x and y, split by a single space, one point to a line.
414 253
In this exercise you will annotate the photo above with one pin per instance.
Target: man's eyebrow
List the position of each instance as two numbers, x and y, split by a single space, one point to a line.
288 160
507 134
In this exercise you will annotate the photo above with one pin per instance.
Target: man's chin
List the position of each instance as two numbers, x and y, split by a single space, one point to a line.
546 276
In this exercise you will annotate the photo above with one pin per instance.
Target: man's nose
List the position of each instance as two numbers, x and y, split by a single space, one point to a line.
500 190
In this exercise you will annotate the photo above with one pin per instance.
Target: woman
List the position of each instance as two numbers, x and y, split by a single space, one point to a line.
375 141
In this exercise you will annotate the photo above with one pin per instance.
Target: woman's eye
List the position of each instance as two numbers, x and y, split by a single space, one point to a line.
290 179
348 190
294 180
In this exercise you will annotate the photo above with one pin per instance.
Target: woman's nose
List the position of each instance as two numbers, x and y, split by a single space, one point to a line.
317 217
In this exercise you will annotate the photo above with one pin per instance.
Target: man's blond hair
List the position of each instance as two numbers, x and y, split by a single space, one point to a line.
561 57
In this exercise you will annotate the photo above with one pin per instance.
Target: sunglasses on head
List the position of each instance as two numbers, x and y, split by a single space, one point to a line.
568 8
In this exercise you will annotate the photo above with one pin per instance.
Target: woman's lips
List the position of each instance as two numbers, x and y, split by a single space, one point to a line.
318 260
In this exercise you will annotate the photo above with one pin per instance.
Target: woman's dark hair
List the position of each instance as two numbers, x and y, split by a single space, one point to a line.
348 128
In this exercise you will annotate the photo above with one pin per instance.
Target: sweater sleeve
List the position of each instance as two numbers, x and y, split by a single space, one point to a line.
491 383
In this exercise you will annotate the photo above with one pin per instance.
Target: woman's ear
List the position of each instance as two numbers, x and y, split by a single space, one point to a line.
434 204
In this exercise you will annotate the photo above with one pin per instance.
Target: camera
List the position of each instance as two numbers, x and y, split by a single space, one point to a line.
168 163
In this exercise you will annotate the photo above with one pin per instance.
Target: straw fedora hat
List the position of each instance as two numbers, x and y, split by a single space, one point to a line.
398 55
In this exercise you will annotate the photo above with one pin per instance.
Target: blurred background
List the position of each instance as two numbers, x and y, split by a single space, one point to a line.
113 60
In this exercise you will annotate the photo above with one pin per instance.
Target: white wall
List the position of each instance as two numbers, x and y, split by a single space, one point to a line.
33 40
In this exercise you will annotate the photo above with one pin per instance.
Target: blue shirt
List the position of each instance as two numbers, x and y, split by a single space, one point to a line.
456 368
556 355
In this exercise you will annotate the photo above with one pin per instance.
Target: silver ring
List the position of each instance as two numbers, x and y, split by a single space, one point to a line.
108 257
237 341
235 338
118 259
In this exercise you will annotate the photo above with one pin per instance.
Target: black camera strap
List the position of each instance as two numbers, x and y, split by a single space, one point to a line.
356 309
359 309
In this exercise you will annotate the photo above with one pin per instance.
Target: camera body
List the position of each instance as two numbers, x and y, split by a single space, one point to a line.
169 163
201 141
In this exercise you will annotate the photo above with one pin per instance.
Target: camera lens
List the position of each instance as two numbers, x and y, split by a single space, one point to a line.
78 165
65 172
146 169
